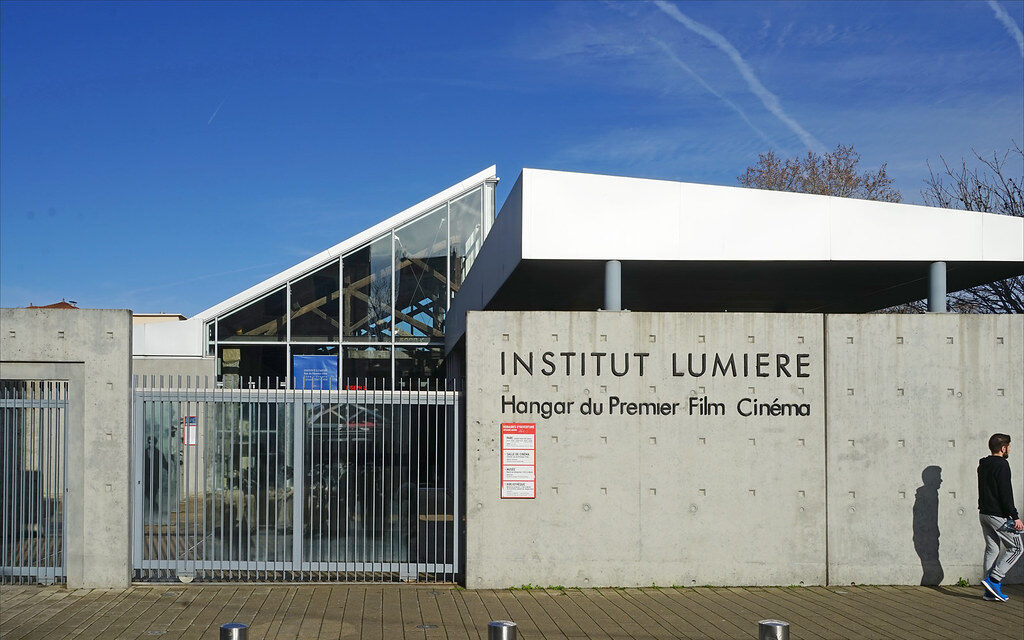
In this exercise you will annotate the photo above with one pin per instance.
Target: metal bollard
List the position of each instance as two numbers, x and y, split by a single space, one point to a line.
234 631
501 630
772 630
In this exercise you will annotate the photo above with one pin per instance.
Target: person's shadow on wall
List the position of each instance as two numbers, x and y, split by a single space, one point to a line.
926 525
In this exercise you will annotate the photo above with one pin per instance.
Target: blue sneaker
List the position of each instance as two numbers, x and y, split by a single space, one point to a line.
995 589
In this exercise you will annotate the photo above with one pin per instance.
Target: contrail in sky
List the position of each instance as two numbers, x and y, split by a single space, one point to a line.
1008 22
685 67
770 101
216 111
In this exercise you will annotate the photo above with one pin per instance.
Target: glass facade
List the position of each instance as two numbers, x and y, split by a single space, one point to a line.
374 318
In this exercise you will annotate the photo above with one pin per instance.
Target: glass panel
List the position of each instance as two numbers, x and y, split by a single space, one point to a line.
367 367
359 476
257 366
211 338
314 304
366 308
249 505
466 235
315 366
489 205
414 366
421 262
262 320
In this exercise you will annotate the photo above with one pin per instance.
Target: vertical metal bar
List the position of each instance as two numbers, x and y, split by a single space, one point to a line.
235 500
181 503
22 489
202 429
441 456
5 431
316 471
197 496
64 482
38 453
263 490
51 530
148 468
456 462
345 430
250 516
298 476
32 458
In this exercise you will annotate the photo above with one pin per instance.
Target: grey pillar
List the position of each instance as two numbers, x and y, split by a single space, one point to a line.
937 288
613 285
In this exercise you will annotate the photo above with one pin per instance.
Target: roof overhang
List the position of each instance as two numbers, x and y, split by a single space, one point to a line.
693 247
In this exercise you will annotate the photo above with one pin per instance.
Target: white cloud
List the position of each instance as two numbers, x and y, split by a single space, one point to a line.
769 99
1008 22
732 105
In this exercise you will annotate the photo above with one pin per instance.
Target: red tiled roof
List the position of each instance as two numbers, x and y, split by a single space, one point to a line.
63 304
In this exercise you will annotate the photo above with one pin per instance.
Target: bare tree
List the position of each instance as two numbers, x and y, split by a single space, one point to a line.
835 173
988 186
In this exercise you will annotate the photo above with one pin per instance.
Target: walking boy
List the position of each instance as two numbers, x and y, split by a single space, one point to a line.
999 519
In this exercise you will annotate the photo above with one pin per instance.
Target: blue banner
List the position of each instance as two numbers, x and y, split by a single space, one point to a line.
315 372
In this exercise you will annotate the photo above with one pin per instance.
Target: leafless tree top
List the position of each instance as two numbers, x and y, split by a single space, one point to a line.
832 174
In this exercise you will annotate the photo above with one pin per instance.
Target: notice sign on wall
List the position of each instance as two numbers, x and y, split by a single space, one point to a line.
191 424
518 460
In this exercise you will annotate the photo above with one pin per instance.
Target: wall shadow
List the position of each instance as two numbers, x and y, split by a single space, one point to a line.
926 526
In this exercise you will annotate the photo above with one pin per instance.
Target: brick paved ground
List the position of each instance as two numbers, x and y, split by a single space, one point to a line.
423 612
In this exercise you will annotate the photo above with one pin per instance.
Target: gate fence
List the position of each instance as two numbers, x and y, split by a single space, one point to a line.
33 438
262 483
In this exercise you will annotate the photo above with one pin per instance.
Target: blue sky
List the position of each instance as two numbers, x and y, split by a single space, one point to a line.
165 156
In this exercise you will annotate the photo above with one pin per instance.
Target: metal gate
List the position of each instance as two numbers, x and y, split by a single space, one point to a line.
33 464
269 484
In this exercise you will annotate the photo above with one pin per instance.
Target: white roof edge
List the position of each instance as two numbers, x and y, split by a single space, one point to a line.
309 264
824 198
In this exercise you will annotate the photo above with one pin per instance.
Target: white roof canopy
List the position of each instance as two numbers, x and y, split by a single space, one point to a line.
701 247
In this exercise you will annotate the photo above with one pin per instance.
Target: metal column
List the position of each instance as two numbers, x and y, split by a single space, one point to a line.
937 287
613 285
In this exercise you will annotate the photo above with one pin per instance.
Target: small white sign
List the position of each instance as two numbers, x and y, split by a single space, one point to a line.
518 456
191 424
518 490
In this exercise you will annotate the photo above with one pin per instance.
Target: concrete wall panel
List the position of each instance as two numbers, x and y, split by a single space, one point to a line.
625 499
912 401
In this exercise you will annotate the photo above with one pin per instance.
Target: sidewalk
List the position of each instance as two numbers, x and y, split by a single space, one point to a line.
398 612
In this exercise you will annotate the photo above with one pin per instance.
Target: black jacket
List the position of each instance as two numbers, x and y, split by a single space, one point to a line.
995 495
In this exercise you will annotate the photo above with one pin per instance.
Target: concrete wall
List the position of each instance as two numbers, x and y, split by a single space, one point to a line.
912 401
200 370
91 349
677 499
689 499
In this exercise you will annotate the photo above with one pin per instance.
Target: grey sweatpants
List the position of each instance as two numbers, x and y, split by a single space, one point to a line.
997 564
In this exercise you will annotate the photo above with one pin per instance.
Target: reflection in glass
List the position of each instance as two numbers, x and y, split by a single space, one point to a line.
263 320
368 367
249 505
418 367
421 262
466 235
261 366
367 298
314 306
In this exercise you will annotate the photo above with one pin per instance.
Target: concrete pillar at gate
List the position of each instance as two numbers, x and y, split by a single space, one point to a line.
91 349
